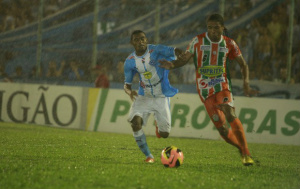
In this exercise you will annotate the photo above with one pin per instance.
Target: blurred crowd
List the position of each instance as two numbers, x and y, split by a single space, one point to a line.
263 42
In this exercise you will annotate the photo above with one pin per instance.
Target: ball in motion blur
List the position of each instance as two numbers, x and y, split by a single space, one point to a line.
171 156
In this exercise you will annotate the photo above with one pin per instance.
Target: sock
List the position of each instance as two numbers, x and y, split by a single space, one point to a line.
140 139
231 139
239 133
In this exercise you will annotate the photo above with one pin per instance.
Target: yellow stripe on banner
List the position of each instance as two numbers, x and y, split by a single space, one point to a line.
92 102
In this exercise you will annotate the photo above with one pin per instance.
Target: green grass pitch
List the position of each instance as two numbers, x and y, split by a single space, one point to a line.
45 157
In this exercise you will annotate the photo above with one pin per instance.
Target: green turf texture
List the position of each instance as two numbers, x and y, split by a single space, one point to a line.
46 157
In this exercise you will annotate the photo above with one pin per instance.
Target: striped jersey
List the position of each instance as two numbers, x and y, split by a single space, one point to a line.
154 81
211 65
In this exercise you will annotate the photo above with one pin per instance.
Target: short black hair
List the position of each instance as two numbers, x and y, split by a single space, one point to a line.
215 17
136 32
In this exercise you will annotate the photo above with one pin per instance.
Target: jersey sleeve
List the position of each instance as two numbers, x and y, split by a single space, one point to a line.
129 71
190 48
168 52
234 50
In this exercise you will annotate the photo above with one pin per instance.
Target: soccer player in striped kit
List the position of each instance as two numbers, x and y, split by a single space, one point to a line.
210 51
154 88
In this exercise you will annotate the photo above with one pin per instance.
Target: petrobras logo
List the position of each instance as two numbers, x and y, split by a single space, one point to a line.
205 47
208 83
211 71
147 75
202 83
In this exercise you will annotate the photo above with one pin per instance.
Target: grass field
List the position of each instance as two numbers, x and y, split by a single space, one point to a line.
46 157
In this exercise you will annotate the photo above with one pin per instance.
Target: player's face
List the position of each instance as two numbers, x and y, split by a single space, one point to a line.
139 42
215 30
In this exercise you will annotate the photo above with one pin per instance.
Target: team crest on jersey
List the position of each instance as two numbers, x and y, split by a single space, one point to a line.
147 75
204 58
211 71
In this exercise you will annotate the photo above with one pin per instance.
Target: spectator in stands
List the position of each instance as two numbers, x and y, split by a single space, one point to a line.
265 48
253 74
3 75
73 72
296 36
275 62
101 80
274 28
119 74
188 73
283 73
18 74
247 50
9 22
35 73
295 74
53 71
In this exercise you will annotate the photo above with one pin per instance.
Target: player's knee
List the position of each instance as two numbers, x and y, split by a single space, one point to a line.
164 134
230 117
228 111
136 124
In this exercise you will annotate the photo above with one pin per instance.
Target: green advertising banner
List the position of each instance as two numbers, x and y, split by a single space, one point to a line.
265 120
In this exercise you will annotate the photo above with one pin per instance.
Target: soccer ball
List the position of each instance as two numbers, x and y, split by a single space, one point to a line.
171 156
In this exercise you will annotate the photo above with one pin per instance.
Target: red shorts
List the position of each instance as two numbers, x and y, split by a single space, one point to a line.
215 114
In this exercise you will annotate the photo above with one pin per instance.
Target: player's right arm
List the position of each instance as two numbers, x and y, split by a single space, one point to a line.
129 72
132 94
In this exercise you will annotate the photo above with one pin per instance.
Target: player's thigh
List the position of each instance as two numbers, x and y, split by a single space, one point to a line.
216 115
140 107
224 97
162 114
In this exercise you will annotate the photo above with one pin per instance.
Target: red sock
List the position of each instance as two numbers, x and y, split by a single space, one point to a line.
239 133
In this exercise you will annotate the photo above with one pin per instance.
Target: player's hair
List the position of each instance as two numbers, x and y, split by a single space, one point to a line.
136 32
215 17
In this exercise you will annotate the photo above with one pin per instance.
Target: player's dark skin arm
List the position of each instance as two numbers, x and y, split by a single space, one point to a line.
245 72
182 59
132 94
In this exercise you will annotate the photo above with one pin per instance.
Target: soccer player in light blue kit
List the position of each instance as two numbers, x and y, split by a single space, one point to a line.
154 88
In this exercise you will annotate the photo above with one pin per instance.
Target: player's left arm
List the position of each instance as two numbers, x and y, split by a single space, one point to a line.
245 72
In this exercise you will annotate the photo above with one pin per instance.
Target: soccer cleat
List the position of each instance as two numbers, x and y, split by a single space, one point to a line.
156 130
247 160
149 160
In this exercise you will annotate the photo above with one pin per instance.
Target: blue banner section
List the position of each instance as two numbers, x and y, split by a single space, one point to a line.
74 38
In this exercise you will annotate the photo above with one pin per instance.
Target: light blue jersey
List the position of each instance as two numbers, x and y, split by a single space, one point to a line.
154 80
